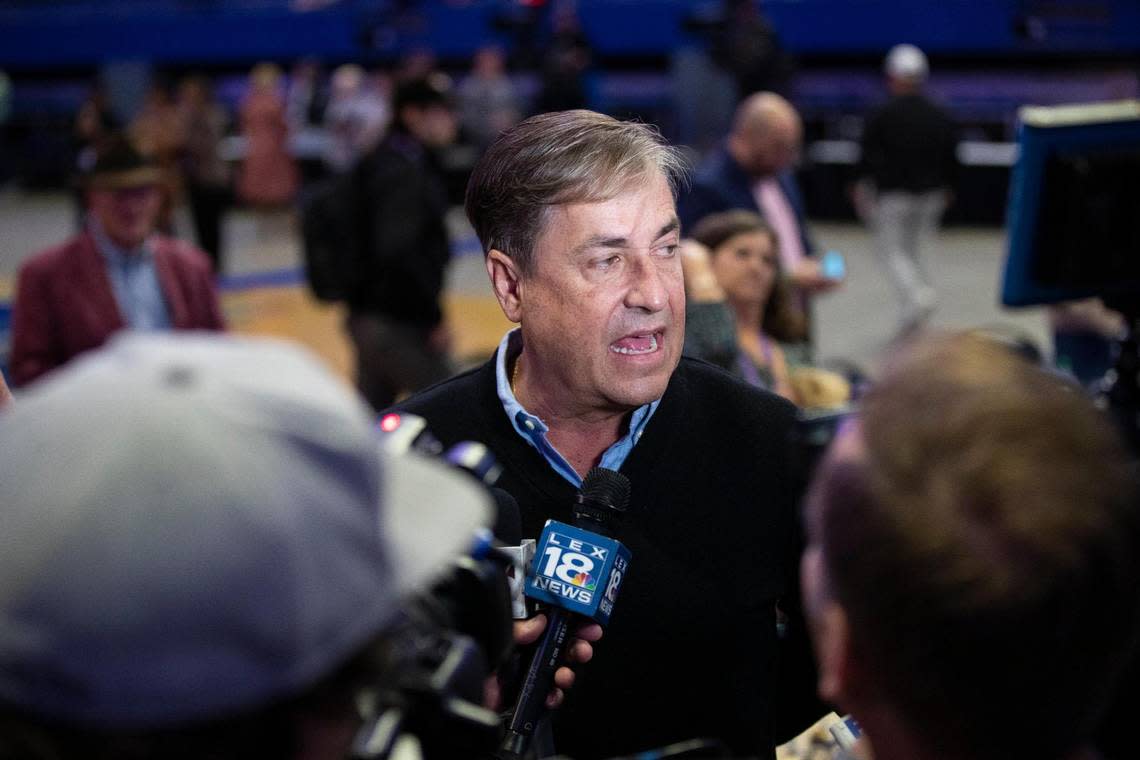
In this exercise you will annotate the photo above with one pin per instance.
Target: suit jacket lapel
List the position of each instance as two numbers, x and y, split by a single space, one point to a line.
93 286
171 287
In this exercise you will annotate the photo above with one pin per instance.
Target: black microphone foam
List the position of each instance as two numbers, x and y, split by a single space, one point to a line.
508 520
602 500
606 486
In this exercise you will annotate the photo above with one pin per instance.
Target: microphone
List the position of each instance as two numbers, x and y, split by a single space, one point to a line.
578 570
401 432
479 461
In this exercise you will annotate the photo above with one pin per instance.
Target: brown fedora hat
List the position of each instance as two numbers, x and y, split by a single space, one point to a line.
120 165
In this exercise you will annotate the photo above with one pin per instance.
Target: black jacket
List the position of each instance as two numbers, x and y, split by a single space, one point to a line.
691 648
405 249
910 144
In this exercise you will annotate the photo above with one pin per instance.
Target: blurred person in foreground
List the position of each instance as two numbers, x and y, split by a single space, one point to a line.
115 274
752 171
205 553
908 167
575 211
972 570
5 394
395 317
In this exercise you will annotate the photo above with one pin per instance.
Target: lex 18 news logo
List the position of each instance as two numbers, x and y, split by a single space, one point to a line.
578 570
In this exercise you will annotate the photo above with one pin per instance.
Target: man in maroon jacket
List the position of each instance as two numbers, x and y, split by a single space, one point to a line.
114 274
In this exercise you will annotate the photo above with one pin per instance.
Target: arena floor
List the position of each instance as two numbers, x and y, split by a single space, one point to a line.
264 292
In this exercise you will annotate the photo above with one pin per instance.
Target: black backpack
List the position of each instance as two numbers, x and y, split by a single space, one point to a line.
334 232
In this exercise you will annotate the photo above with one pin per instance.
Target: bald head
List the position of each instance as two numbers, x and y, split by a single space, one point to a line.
766 134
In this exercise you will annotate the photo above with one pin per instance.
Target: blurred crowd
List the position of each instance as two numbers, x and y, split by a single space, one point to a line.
279 142
287 137
291 130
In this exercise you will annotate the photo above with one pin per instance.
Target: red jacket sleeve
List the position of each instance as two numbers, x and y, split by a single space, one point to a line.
35 342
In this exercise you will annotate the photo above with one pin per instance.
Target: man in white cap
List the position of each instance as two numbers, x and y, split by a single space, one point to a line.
205 553
908 167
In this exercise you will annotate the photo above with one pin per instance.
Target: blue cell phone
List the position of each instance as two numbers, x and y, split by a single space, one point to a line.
833 266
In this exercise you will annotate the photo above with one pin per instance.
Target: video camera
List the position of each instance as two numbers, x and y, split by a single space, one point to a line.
426 699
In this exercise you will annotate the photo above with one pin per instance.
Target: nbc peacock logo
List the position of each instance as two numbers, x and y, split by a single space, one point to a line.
584 580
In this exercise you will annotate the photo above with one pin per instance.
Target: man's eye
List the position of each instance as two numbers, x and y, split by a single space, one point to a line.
606 263
668 251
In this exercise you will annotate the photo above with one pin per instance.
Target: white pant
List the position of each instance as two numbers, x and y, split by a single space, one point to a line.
904 225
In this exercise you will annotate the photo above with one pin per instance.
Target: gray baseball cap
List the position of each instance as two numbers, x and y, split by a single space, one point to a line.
194 525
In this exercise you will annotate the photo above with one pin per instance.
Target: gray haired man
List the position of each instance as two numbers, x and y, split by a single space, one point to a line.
576 214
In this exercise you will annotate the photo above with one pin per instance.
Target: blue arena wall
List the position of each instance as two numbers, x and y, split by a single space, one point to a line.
35 33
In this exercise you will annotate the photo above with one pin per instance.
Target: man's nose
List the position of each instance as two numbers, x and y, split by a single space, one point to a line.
646 288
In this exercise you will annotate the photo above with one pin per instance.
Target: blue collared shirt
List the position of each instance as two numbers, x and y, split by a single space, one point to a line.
533 430
134 281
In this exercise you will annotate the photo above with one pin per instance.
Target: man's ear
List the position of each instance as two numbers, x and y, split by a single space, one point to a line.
506 282
833 652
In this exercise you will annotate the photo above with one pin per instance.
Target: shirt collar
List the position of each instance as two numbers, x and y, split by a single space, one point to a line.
111 251
534 430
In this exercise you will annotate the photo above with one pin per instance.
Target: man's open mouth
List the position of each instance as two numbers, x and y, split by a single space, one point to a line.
635 345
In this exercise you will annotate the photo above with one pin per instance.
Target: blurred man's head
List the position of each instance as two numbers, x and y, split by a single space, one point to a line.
766 135
906 69
202 543
575 211
489 62
971 573
124 193
424 109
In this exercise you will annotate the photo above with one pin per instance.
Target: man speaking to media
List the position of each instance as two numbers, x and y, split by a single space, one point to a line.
576 215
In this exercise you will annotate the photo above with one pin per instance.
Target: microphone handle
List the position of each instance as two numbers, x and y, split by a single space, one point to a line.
531 703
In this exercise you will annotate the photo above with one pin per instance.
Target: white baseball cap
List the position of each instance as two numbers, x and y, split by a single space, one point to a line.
194 525
906 62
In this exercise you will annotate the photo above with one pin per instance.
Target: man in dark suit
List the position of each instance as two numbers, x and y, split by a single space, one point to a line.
395 318
752 171
116 273
575 212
